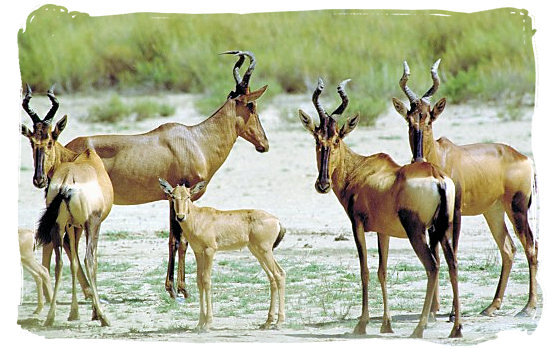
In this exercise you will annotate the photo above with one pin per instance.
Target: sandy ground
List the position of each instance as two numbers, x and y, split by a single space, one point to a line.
281 182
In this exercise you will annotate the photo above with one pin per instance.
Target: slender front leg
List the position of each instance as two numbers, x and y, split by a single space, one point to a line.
182 251
361 244
200 275
383 247
207 285
173 244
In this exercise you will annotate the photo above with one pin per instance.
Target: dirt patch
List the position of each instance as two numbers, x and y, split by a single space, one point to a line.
323 287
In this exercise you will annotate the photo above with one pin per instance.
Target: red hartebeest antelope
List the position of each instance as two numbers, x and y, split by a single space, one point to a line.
209 230
492 179
79 196
180 154
381 196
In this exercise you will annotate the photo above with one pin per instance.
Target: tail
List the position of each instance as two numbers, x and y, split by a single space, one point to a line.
47 225
282 231
441 222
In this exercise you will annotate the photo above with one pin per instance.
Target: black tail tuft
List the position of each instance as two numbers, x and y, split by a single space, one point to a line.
441 222
282 232
47 224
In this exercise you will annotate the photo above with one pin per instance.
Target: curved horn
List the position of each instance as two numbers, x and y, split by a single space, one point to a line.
55 106
343 96
242 84
315 99
34 117
403 82
435 78
237 65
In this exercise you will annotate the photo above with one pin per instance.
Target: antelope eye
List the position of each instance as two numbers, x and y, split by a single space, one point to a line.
50 144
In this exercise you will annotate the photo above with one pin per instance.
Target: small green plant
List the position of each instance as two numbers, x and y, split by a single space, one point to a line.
147 109
113 111
116 110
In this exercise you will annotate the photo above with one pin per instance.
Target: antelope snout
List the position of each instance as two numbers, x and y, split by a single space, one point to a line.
39 182
322 187
262 148
180 217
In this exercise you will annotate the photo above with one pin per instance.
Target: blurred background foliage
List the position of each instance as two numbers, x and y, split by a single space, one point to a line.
486 56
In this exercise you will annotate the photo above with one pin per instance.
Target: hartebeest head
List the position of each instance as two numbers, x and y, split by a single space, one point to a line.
328 135
420 116
249 126
43 138
180 197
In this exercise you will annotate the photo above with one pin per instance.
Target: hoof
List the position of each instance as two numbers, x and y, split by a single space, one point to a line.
104 322
386 328
182 291
417 333
456 332
265 326
360 328
172 292
73 316
489 311
201 329
527 312
48 322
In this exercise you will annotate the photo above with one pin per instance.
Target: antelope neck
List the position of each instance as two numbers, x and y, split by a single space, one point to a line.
418 145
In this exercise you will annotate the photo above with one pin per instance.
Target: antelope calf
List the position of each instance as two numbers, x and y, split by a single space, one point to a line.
381 196
491 179
39 273
79 196
209 230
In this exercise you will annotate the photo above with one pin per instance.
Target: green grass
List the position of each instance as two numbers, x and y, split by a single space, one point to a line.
179 52
116 110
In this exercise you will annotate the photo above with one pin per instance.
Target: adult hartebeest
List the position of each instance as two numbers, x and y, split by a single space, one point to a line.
79 196
493 179
181 154
381 196
209 230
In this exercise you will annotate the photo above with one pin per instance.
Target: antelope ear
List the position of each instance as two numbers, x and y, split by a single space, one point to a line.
438 109
59 127
25 131
198 187
252 96
306 121
165 186
350 124
400 107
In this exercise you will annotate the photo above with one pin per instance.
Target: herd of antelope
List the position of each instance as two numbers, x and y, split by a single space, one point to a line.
422 201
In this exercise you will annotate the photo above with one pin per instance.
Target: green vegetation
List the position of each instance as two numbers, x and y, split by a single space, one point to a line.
116 110
486 56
